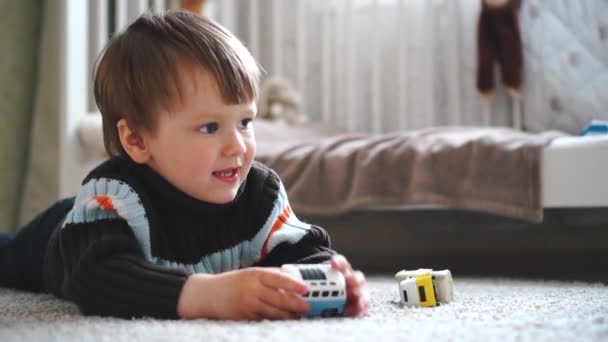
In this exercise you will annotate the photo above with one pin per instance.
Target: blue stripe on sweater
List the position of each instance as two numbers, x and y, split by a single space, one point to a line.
128 206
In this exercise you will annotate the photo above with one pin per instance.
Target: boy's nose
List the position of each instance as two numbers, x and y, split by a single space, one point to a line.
235 144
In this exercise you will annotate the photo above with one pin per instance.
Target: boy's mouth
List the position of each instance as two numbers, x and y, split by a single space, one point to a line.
229 175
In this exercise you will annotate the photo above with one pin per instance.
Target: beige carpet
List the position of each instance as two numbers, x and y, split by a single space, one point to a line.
485 309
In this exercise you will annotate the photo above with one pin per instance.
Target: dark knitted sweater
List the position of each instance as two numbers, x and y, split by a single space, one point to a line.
132 239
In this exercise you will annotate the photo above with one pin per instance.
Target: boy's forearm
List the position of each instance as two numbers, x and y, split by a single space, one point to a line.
128 286
101 268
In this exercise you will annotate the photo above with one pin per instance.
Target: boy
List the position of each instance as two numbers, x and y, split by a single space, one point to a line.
177 222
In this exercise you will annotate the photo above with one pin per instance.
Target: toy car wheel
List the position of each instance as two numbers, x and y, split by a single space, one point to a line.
329 312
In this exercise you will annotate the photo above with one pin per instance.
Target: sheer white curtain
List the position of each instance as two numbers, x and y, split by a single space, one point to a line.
373 65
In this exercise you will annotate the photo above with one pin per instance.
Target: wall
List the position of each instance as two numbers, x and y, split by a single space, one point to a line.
20 23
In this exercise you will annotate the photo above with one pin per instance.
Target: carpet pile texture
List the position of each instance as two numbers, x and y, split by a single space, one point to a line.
504 309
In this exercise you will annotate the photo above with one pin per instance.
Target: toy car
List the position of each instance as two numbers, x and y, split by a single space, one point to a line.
425 287
327 294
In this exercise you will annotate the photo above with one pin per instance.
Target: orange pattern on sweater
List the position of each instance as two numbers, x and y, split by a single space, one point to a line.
105 202
277 224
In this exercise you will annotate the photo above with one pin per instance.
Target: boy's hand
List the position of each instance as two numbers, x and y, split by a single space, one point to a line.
246 294
357 297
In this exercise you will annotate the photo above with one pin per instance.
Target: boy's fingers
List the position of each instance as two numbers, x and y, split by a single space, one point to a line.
358 297
353 309
340 263
356 276
269 311
339 260
277 280
354 293
358 306
283 300
355 283
363 305
356 279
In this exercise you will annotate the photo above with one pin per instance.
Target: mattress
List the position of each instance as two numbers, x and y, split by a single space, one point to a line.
575 171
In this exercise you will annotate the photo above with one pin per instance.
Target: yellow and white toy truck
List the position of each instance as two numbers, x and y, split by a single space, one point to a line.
425 287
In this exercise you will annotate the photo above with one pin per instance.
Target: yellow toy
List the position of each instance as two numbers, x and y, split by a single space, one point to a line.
425 287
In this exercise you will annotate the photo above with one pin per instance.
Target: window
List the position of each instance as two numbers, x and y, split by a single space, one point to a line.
422 293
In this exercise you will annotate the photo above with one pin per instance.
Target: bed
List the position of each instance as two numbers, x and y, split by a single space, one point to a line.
574 172
569 238
572 169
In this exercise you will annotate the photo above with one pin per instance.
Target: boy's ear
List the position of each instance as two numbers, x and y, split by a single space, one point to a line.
132 142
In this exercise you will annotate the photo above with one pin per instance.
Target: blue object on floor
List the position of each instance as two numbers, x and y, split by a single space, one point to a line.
595 127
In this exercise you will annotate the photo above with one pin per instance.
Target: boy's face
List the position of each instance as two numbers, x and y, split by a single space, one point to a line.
205 147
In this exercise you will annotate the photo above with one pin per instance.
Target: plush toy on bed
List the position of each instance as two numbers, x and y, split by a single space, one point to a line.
499 42
280 101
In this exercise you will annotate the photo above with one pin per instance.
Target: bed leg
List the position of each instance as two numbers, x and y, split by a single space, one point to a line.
487 113
517 117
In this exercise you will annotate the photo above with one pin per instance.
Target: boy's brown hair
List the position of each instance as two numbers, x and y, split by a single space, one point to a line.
139 73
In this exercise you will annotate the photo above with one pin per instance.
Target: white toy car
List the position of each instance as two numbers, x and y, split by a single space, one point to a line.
425 287
327 294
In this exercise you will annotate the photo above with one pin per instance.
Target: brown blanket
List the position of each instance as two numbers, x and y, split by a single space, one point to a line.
496 170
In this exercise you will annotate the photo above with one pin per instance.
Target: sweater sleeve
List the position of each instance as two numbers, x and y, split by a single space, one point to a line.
105 273
290 240
314 247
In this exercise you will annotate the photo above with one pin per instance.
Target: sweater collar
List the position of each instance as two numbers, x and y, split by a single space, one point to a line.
159 187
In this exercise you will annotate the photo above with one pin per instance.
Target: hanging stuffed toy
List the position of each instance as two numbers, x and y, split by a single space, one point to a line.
499 42
196 6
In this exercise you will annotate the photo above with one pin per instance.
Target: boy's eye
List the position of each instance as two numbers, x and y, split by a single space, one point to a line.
246 123
209 128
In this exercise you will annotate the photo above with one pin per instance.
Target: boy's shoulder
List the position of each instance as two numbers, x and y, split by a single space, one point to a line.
262 170
264 176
